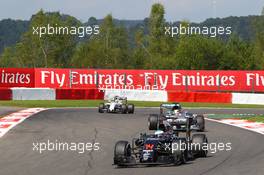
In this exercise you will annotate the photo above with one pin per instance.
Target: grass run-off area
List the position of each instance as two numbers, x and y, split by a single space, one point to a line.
255 119
94 103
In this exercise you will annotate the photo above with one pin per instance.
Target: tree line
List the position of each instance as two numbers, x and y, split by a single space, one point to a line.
150 48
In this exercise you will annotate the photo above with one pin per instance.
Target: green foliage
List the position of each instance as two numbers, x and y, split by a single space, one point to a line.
11 31
140 54
157 22
47 50
160 47
7 58
258 53
109 49
198 52
237 55
241 26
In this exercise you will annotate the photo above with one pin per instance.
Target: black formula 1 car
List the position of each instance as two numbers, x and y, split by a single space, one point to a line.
161 148
116 105
169 113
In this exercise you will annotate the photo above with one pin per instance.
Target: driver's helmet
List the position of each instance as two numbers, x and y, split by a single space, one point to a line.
116 98
177 109
158 133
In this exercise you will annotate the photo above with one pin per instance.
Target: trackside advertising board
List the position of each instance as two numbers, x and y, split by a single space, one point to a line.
171 80
13 77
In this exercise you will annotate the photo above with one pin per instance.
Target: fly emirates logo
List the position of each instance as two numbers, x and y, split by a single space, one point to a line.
53 78
78 79
199 79
14 78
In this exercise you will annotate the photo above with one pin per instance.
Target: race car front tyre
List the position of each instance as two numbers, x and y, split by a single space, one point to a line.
200 145
200 122
101 108
130 108
122 152
153 122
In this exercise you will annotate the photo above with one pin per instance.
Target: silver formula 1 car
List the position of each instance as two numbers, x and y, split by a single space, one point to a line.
171 112
116 105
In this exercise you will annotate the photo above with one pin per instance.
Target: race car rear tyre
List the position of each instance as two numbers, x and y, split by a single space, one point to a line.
180 154
130 108
200 122
153 122
124 109
101 108
199 145
122 152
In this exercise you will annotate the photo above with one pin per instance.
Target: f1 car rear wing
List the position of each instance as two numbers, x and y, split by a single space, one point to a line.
169 106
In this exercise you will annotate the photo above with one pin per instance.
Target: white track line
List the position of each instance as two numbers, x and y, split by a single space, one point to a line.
244 124
13 119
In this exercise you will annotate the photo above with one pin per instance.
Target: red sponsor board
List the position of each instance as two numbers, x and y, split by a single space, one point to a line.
201 97
13 77
52 78
170 80
76 94
5 94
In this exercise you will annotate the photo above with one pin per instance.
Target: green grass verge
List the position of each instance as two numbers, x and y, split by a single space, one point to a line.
94 103
255 119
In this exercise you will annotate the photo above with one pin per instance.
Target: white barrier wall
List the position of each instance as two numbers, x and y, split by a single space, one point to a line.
138 95
33 94
135 95
245 98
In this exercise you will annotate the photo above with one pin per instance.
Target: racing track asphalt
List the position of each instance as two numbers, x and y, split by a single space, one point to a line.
8 110
87 125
